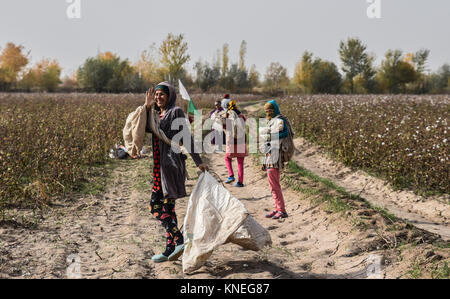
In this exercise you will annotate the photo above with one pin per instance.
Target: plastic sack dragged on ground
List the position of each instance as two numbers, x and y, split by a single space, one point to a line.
214 217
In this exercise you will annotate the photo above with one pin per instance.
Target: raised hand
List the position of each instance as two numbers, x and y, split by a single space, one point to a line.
150 98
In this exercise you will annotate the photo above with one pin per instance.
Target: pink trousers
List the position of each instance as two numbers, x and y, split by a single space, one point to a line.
273 174
228 162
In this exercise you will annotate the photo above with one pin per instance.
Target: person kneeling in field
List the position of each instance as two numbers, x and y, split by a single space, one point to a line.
278 131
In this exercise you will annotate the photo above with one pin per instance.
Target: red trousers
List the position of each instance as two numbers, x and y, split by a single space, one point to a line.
273 174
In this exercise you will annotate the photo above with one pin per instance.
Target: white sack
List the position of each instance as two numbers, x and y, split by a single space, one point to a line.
214 217
251 235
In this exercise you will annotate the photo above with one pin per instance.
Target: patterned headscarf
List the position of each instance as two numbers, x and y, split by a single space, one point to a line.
270 110
232 105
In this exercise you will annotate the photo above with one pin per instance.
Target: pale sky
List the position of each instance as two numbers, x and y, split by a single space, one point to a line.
275 31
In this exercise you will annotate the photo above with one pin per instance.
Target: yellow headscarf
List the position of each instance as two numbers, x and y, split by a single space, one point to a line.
232 105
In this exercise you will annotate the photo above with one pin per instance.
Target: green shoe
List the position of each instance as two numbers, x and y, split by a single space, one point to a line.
159 258
176 253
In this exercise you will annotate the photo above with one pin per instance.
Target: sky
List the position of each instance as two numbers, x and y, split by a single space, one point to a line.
275 31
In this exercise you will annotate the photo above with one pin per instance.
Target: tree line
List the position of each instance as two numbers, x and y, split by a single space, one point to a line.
107 72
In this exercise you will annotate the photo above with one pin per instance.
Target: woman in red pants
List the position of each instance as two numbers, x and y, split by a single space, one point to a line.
235 142
277 129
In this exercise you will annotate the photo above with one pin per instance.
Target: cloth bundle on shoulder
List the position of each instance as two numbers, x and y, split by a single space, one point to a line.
214 217
134 131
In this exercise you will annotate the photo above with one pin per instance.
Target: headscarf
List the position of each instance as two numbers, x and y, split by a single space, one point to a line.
171 94
273 106
163 88
225 103
232 106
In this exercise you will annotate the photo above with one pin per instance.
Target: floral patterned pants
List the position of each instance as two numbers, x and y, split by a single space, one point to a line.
164 211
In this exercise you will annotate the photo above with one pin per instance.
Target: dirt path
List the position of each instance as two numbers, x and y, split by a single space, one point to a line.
114 236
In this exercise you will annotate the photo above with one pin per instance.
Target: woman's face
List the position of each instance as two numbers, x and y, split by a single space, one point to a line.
161 99
270 112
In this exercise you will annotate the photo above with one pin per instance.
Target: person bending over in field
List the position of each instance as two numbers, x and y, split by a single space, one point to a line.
277 128
169 169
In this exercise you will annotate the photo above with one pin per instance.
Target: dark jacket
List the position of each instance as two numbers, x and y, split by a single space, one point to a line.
173 165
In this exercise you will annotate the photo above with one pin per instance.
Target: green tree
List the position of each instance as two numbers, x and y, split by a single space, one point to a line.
253 77
276 78
174 55
44 76
395 72
325 77
355 61
50 76
240 79
303 73
108 73
440 81
207 77
419 60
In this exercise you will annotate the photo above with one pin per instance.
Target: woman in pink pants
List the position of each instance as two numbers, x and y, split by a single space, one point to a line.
277 128
235 142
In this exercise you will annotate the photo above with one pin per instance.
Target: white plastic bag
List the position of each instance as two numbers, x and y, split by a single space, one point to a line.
214 217
251 235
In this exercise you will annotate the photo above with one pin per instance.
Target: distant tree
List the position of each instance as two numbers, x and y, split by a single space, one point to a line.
395 72
276 78
419 59
51 72
44 76
149 68
355 61
303 73
12 62
108 73
440 81
217 61
242 53
253 77
207 77
325 77
174 56
69 83
225 60
240 79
